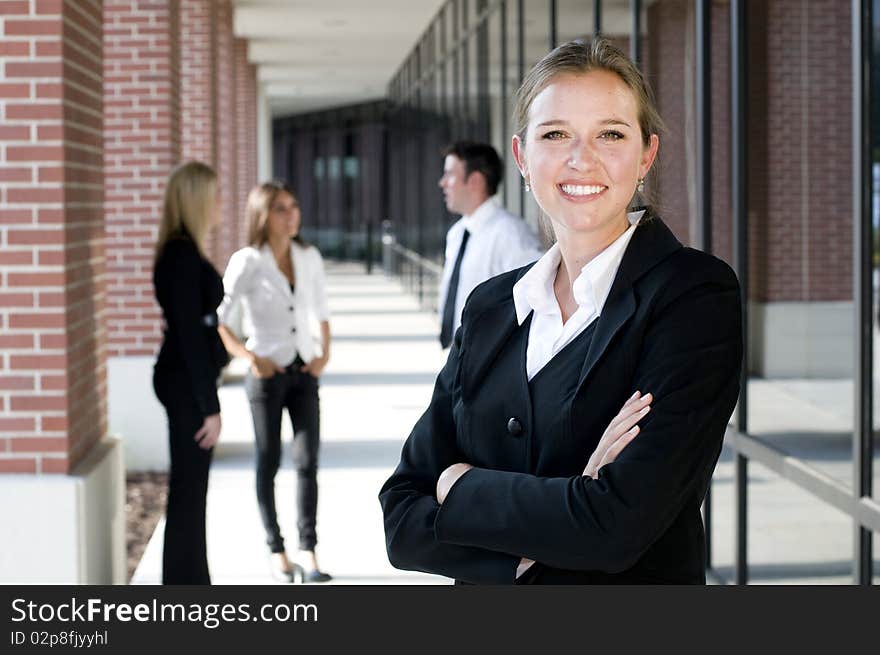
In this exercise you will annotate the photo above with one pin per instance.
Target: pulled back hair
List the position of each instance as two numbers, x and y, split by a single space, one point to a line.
190 202
576 58
259 204
479 158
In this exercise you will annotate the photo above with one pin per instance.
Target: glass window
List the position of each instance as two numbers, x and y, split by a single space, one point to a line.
537 30
537 44
574 19
495 92
513 182
875 227
472 91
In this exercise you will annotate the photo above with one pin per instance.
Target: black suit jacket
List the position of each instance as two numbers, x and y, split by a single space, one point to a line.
189 289
671 326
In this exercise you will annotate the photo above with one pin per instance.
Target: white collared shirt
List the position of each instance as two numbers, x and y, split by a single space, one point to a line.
498 242
279 323
534 293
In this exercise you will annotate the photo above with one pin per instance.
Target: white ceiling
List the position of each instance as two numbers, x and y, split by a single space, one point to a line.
317 54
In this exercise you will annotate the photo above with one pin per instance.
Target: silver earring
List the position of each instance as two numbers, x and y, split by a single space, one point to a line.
528 187
641 187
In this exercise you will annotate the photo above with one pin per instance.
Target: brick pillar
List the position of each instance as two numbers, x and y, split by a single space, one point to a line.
801 222
246 135
53 415
225 135
197 90
669 27
142 142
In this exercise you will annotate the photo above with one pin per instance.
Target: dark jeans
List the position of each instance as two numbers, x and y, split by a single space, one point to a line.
298 392
184 558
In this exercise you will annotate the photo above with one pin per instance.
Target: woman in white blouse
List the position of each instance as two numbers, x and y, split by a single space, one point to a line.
275 294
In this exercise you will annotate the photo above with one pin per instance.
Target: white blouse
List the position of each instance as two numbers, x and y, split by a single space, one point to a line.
534 293
258 303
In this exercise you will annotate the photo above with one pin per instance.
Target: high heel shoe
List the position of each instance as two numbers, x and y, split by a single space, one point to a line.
294 574
316 575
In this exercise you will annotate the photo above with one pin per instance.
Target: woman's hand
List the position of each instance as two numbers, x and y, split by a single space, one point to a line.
315 367
448 478
263 367
209 433
622 429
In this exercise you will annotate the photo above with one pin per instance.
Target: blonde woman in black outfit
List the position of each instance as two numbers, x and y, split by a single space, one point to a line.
491 486
188 290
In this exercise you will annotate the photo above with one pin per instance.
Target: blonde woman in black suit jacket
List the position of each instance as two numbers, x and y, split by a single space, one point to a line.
492 485
188 288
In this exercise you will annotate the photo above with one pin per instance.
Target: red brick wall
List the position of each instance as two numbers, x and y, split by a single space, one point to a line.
227 240
197 80
246 135
667 22
52 359
808 217
198 91
141 145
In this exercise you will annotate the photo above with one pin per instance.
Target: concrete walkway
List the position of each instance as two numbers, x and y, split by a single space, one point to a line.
385 357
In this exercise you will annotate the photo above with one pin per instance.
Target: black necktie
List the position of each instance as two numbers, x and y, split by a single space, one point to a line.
451 292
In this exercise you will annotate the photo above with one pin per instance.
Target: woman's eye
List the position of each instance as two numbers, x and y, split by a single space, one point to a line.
611 135
554 135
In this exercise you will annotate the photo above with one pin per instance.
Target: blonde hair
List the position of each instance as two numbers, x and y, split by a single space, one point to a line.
259 204
576 58
190 202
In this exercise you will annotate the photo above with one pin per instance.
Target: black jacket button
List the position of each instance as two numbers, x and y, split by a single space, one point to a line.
514 427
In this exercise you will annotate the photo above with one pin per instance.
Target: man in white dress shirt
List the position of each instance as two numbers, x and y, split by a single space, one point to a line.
487 240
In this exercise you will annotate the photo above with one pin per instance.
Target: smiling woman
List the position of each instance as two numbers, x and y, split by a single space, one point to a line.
574 429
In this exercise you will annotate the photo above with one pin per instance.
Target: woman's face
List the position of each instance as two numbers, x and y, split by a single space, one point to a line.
284 217
583 154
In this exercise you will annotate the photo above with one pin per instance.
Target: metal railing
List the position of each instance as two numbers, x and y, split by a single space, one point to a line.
420 276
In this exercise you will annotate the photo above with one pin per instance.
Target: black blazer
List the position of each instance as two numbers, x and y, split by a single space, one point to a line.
189 289
671 326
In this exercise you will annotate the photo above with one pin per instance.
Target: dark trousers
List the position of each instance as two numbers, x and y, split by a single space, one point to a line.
184 558
298 392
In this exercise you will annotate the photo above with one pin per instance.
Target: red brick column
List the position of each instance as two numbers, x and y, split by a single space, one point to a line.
807 235
197 80
52 360
142 144
197 87
665 65
246 134
227 237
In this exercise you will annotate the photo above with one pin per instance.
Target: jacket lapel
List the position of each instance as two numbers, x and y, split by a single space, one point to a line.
651 243
274 274
489 331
